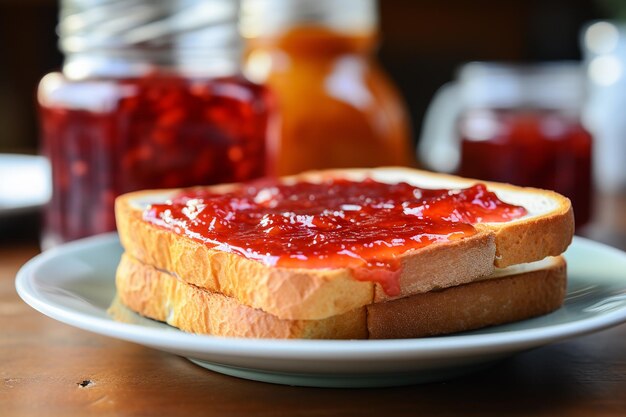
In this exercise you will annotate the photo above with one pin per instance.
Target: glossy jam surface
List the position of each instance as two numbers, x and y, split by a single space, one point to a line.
105 137
530 147
363 225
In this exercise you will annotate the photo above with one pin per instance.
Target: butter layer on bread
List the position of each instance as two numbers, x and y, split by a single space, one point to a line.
511 294
294 294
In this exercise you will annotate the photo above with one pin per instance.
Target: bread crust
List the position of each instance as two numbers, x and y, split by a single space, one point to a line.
470 306
313 294
161 296
534 239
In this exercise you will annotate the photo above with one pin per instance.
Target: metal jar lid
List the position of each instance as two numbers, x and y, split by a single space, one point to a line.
118 37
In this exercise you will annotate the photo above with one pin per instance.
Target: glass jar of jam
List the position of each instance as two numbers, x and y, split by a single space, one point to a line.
338 108
150 96
516 123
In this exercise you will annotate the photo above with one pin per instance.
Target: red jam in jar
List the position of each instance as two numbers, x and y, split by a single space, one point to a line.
362 225
150 96
107 137
530 147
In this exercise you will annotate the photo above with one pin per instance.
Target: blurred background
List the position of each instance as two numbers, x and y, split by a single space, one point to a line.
423 42
422 45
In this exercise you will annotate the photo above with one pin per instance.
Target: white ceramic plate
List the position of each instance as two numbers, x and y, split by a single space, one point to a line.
24 183
74 284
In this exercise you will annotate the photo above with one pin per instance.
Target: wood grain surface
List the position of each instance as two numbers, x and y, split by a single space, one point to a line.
51 369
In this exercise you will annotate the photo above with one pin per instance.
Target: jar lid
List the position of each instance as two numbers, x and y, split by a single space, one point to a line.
268 17
556 85
153 32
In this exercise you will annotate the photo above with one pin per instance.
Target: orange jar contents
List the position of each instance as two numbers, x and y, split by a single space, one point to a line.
338 108
134 109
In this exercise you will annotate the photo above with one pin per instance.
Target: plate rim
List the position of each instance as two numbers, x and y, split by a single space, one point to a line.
429 347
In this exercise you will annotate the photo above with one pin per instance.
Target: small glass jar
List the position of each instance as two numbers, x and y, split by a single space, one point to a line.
338 107
519 124
150 96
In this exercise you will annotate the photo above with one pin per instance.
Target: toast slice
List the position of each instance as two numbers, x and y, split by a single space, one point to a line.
314 294
510 294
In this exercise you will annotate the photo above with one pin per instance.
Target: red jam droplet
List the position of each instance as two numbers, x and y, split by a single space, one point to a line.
364 226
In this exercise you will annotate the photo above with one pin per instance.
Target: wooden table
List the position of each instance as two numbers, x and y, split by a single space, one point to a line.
51 369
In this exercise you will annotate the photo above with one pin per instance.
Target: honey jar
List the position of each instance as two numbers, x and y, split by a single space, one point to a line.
338 108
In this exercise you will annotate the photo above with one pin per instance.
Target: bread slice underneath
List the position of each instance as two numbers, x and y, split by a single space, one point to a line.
523 292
